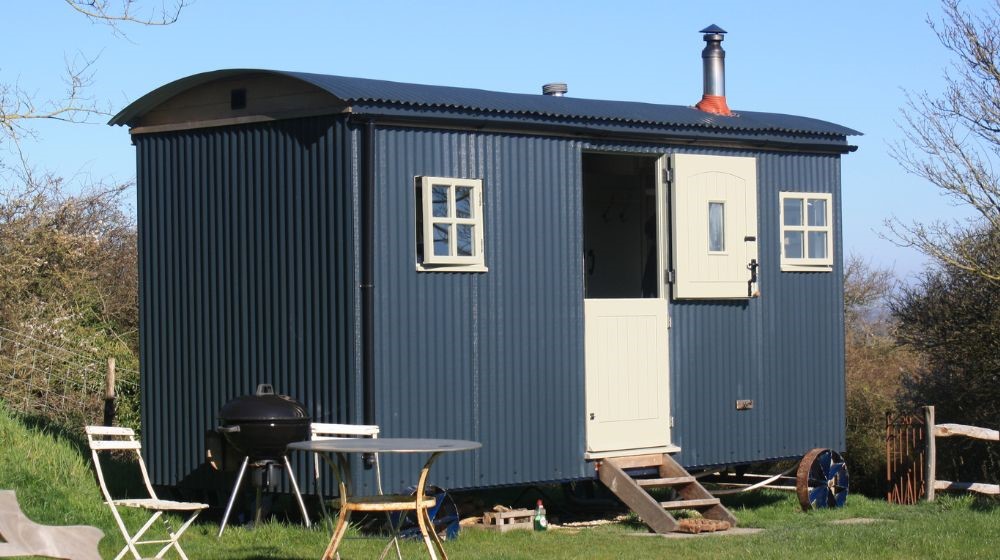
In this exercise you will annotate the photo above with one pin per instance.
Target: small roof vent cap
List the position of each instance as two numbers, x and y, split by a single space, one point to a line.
555 89
713 29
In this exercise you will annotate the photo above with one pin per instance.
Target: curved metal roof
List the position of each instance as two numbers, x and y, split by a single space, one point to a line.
363 91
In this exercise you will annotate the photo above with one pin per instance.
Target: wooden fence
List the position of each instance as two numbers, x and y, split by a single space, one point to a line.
911 457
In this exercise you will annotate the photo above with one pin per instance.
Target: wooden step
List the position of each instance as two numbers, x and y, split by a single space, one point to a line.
637 461
664 482
690 504
613 472
637 499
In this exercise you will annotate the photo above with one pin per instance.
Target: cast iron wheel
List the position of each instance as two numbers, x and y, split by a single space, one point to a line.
821 480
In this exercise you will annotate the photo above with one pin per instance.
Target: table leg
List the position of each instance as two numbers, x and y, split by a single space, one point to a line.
342 470
338 534
431 539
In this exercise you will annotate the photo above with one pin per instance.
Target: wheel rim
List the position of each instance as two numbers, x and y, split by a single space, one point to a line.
822 480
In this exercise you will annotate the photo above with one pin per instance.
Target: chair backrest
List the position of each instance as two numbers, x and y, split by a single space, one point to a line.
321 431
109 438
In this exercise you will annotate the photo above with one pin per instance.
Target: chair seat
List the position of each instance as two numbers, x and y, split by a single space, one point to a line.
389 502
160 505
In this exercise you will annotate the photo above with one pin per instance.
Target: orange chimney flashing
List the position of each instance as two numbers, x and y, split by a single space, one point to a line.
715 104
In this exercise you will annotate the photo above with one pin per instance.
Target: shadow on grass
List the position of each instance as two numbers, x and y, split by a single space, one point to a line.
753 500
985 505
74 437
120 469
269 553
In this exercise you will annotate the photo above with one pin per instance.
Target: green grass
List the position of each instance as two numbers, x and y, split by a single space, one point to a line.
50 471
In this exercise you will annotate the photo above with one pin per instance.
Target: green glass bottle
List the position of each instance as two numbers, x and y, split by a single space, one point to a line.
541 523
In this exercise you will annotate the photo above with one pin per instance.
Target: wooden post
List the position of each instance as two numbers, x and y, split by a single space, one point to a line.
109 394
930 454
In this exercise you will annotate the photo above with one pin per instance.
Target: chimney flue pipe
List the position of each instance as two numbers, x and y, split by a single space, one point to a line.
713 59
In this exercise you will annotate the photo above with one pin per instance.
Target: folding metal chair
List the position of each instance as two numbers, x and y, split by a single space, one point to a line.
103 438
322 431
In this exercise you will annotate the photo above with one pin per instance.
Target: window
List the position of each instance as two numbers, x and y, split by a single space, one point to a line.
450 225
806 232
716 227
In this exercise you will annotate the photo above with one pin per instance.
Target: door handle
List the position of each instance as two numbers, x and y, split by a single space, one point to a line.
752 267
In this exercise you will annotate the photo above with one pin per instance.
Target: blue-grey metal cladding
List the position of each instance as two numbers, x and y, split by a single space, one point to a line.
246 277
784 350
495 357
248 244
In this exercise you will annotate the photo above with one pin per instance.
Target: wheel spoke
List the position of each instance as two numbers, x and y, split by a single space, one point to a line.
841 498
825 460
818 496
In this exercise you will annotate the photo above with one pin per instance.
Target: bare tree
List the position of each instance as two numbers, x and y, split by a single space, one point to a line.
68 257
953 141
115 12
19 106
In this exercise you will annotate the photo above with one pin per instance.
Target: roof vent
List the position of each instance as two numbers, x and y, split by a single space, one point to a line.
557 89
713 61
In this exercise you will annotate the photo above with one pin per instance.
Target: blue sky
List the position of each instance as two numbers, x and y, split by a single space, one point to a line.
847 62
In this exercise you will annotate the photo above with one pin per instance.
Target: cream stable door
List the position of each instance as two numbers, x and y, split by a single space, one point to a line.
626 318
714 203
628 396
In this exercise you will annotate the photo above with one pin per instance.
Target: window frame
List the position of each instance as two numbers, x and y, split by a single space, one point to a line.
806 263
431 262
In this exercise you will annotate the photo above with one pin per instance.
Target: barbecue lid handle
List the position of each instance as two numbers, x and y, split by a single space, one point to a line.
265 389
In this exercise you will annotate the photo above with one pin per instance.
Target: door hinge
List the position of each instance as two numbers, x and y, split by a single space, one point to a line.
668 276
666 175
671 421
670 321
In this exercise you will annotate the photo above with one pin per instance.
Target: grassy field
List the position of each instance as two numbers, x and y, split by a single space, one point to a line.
55 486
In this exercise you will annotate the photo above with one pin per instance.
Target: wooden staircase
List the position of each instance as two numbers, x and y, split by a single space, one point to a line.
628 478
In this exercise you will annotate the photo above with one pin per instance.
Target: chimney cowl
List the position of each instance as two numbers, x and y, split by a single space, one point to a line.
555 89
713 59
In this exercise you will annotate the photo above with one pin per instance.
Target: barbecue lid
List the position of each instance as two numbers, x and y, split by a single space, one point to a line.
264 405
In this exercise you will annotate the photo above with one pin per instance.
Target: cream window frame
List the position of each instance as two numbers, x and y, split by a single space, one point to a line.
806 263
452 262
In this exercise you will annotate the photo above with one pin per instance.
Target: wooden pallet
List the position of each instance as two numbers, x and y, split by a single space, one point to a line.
510 520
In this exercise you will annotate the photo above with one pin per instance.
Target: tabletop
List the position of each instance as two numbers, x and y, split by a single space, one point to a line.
385 445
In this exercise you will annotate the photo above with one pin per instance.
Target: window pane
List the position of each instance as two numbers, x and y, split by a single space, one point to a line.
716 226
817 244
817 212
464 240
793 211
463 202
439 195
441 234
793 244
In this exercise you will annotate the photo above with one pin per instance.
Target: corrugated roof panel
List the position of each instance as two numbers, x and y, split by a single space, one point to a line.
364 90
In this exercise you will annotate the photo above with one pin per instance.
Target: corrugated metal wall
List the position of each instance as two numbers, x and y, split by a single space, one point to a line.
784 350
247 244
495 357
246 277
498 356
